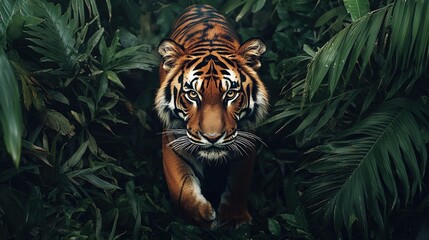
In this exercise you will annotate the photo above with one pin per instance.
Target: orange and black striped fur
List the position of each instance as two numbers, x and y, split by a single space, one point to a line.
210 94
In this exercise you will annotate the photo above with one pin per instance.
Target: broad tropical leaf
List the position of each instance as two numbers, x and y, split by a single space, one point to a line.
359 173
10 109
357 8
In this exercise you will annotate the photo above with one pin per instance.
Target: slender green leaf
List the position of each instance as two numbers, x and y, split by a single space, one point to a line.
76 157
93 40
115 222
258 6
135 207
327 16
346 46
98 182
245 9
357 8
10 110
112 76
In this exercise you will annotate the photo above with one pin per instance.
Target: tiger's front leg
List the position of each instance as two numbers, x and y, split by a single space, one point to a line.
233 210
185 189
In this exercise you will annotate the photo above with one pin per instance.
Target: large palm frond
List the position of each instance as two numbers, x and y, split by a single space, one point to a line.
377 57
359 173
404 26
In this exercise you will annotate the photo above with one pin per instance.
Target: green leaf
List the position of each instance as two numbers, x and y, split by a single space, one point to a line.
115 222
10 110
135 207
76 157
274 227
54 37
103 85
360 172
258 6
78 10
357 8
327 16
245 9
16 27
356 40
407 57
93 40
98 221
36 151
231 5
7 10
115 79
90 104
59 123
58 96
98 182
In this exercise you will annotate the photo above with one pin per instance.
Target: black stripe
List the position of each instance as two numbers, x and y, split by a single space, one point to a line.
191 62
167 92
180 78
225 72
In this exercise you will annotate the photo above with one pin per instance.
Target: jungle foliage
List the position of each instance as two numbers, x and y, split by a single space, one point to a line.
346 154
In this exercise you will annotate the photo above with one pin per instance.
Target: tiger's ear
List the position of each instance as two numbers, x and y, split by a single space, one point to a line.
170 51
251 51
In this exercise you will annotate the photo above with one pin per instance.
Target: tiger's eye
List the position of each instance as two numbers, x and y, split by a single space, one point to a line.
193 94
231 94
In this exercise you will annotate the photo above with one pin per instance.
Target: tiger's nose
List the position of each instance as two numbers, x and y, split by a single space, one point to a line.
212 137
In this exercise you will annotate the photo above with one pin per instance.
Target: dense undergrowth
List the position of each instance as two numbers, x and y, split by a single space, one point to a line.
346 152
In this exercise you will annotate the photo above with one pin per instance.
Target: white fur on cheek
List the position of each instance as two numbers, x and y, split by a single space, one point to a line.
160 105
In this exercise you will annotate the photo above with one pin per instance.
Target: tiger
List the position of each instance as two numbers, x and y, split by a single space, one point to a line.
209 94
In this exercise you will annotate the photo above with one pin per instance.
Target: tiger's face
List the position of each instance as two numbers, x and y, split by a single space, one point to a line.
208 97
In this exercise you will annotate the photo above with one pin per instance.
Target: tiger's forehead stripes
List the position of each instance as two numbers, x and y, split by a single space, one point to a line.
211 68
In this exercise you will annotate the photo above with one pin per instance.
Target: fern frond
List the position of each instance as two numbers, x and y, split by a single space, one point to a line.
54 37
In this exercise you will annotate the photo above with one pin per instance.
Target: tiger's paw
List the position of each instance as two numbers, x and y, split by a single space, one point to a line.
232 218
203 215
206 211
